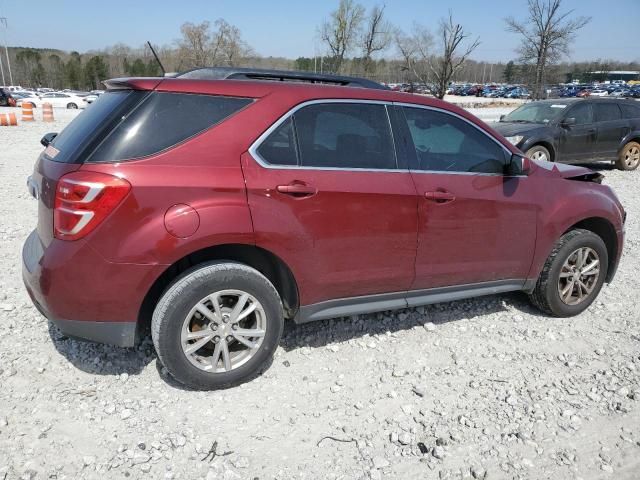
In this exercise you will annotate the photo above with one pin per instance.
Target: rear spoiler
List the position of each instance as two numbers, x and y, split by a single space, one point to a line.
134 83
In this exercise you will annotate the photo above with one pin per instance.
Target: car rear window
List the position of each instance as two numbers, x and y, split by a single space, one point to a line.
162 120
89 127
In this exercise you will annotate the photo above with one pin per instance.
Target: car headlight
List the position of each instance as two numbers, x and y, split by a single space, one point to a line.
515 140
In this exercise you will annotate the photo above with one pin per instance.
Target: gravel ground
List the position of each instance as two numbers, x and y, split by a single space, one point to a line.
484 388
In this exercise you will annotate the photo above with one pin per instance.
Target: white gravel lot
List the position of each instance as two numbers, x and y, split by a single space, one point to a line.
485 388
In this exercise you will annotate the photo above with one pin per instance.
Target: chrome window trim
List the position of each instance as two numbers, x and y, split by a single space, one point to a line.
253 149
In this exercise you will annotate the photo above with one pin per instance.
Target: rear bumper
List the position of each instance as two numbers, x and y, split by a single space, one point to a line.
120 334
83 294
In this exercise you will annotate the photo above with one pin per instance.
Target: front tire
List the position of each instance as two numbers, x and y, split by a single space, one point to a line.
573 274
538 152
72 106
218 325
629 158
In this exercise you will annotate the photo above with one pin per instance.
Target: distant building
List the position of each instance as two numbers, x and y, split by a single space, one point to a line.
604 76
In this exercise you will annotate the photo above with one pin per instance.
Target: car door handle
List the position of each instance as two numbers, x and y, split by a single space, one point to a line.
440 197
297 189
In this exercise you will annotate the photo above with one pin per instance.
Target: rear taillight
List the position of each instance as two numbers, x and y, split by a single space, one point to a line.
83 201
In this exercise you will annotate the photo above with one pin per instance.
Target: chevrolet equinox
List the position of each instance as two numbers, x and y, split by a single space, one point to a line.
210 211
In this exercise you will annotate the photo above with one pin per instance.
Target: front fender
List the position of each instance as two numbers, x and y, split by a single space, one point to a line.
547 140
561 212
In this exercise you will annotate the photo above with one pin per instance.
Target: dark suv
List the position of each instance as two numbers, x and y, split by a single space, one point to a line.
214 210
577 130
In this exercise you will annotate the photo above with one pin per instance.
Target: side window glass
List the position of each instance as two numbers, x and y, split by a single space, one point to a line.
606 112
582 114
630 111
162 121
447 143
345 135
279 148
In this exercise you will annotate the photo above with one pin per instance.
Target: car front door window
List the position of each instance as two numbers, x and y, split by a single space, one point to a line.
446 143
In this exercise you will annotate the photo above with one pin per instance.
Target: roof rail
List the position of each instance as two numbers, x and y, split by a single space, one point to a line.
228 73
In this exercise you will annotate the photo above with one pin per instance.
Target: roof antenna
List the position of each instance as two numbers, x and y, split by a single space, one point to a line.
157 59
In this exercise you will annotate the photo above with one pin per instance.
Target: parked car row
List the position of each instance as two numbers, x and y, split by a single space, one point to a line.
490 91
599 90
16 97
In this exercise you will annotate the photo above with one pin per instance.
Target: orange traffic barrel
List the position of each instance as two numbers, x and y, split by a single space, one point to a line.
27 112
8 120
47 112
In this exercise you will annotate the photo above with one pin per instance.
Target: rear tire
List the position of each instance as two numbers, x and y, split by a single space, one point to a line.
563 266
538 152
223 352
72 106
629 158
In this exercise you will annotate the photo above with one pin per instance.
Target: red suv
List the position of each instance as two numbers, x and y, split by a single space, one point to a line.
212 211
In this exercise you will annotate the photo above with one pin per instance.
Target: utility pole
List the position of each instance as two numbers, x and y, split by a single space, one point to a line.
2 70
3 21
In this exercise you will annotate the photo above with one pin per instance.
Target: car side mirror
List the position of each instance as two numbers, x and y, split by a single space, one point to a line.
518 165
48 138
502 117
568 122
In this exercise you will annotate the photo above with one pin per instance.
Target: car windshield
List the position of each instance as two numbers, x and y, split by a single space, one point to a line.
535 113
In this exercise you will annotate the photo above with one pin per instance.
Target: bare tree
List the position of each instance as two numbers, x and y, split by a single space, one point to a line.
452 57
415 51
341 30
195 44
546 36
203 46
376 37
227 44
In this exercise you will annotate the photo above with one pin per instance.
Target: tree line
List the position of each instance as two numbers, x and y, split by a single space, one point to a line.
355 41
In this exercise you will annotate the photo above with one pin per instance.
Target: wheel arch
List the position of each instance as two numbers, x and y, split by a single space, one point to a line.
632 137
266 262
546 144
607 232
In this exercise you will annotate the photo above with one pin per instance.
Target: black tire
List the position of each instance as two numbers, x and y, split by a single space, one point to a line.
185 293
629 158
546 296
72 106
537 152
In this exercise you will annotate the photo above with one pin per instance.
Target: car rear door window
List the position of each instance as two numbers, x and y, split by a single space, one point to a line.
630 111
279 148
162 120
446 143
345 135
582 113
606 112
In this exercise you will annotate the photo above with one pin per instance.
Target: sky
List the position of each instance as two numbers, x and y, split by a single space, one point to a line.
288 28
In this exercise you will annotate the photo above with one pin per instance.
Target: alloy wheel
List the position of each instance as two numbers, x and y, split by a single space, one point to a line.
539 155
579 276
632 156
223 331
